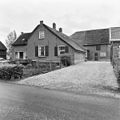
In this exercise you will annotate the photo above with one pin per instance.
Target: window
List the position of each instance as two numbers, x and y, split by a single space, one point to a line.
102 54
62 49
42 51
20 55
98 47
41 35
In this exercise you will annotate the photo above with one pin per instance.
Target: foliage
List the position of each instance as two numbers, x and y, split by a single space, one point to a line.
9 41
9 72
116 67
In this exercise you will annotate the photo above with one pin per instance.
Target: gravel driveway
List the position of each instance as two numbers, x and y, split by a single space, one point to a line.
87 76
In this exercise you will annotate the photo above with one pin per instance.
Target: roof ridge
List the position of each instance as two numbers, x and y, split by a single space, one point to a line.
92 30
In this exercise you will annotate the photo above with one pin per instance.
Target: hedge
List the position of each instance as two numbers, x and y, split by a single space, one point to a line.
10 73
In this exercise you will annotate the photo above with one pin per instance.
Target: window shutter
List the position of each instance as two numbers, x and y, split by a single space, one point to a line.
66 49
46 51
36 51
56 51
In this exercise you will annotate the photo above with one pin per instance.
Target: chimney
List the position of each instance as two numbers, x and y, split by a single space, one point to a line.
22 33
60 30
41 22
54 26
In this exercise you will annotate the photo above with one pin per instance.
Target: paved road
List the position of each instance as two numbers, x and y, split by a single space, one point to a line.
19 102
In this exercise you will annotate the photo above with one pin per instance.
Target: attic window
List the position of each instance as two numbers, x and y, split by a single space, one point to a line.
23 39
41 34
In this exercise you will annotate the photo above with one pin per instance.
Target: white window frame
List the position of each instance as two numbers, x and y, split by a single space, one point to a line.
24 55
41 34
18 55
59 50
39 51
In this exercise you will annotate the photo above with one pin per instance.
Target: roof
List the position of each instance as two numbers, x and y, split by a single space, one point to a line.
66 39
115 33
91 37
2 46
23 38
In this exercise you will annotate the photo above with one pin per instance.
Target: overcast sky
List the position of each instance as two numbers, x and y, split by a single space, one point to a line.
71 15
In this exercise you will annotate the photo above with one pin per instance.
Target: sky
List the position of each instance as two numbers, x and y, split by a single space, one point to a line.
71 15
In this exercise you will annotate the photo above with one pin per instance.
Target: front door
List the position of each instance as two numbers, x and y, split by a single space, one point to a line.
96 57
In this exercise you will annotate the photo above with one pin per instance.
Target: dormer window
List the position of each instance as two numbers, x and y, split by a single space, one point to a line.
23 39
41 34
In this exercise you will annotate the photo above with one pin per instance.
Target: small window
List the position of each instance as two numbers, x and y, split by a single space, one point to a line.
21 55
102 54
98 47
23 39
41 35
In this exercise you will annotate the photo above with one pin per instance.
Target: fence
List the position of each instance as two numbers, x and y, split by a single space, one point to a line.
40 68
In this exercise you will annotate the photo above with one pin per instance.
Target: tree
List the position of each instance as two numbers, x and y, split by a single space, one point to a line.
12 36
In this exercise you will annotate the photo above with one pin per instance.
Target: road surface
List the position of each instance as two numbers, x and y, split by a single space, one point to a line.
19 102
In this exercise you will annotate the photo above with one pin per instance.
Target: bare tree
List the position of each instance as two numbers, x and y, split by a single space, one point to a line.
9 41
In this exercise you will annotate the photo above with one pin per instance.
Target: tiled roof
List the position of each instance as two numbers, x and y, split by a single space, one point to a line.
2 46
66 39
92 37
115 33
23 39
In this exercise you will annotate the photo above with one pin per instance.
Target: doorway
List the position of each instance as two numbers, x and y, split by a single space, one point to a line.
96 57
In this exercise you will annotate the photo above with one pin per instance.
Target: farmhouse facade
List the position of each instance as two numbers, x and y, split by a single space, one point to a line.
3 50
46 44
97 42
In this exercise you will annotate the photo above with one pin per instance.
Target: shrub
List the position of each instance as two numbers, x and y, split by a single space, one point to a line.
10 73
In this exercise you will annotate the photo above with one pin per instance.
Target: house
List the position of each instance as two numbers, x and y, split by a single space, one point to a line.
46 44
97 42
3 50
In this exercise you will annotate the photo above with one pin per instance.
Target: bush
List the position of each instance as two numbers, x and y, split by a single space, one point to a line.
116 67
118 77
11 73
